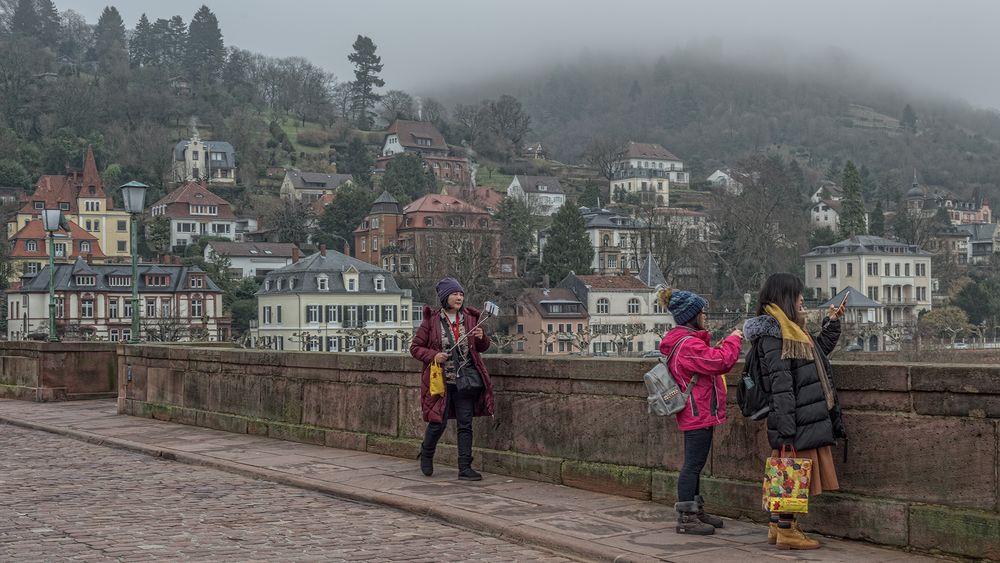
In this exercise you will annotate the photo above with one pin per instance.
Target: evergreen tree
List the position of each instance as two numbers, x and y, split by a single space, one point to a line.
49 21
591 196
159 48
568 248
357 161
109 42
141 46
406 179
942 218
205 52
876 221
869 185
852 210
25 21
340 218
518 226
367 65
909 119
823 236
797 177
175 43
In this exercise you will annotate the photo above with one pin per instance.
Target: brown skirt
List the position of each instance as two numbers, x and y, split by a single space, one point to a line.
823 476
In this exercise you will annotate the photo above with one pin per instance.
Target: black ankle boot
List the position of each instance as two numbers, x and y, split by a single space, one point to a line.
715 521
426 461
469 474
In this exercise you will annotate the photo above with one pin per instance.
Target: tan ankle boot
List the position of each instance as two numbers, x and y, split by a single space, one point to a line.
772 533
794 538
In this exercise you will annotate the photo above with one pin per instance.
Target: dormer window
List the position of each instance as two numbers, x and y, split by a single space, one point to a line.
31 246
267 285
197 282
428 221
379 283
323 283
277 284
352 284
63 206
291 283
39 205
157 280
543 188
88 280
85 246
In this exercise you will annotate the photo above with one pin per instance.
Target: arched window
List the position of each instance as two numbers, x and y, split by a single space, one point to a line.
602 306
633 306
85 246
31 246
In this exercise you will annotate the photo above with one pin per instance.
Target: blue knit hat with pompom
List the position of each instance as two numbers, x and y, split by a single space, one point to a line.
683 305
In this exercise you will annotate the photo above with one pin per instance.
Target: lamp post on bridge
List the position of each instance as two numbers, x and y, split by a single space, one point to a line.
51 220
134 195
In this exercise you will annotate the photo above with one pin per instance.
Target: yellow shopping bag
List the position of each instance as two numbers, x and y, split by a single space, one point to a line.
437 379
786 483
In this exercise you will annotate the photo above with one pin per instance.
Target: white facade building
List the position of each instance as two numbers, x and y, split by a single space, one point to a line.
252 259
193 212
543 194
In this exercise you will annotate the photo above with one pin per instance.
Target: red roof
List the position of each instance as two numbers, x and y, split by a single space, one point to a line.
480 196
440 203
319 206
54 190
409 131
194 193
613 282
35 231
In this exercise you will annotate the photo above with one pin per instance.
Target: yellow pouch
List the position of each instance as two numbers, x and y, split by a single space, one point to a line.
437 380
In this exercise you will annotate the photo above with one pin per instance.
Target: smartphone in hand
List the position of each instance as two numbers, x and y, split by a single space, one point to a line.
843 305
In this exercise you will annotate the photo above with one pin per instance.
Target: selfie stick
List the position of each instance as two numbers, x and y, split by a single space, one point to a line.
490 309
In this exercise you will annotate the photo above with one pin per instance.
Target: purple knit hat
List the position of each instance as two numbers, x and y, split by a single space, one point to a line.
446 287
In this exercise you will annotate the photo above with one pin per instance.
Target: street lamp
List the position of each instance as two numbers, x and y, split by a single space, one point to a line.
51 219
746 300
134 195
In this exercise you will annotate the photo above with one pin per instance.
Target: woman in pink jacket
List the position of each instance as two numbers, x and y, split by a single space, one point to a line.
687 352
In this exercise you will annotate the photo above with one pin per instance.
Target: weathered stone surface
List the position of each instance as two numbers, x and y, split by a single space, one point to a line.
975 405
619 480
297 433
19 370
360 408
881 401
346 440
956 378
913 457
863 518
385 445
738 447
663 487
536 468
164 385
281 399
964 532
876 376
225 422
736 499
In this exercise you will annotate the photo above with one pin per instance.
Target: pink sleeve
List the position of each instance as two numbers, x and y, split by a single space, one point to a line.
694 356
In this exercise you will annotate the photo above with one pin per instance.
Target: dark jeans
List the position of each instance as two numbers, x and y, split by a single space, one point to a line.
462 406
697 444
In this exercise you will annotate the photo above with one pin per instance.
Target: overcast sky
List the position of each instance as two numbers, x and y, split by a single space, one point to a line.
943 47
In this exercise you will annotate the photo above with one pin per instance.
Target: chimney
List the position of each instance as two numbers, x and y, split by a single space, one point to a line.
347 249
322 250
545 281
295 254
90 258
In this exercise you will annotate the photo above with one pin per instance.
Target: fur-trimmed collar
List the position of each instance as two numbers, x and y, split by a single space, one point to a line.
764 325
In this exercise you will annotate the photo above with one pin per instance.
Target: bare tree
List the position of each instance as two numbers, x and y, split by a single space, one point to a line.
397 104
605 156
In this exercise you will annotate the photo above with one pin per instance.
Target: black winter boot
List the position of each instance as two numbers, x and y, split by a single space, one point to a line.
715 521
426 458
469 474
688 522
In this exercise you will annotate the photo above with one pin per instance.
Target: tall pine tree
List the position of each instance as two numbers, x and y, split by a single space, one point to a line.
876 222
48 18
175 43
25 21
140 49
852 207
909 119
109 42
367 65
568 247
205 53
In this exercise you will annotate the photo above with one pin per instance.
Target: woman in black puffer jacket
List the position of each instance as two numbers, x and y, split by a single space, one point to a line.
805 412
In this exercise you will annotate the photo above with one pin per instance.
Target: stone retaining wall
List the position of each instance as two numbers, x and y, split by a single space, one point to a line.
57 371
922 468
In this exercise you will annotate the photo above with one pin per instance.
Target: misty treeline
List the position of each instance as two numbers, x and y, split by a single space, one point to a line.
713 113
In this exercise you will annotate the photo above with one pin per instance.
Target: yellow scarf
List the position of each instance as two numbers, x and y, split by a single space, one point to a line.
795 343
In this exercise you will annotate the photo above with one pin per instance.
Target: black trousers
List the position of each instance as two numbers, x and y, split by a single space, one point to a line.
462 406
697 444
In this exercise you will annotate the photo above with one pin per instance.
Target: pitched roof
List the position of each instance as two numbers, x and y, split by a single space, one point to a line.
306 271
613 282
229 153
648 150
537 298
90 176
319 206
385 204
979 231
52 190
409 131
195 193
650 273
531 184
35 231
441 203
252 249
480 196
66 280
868 245
316 180
857 300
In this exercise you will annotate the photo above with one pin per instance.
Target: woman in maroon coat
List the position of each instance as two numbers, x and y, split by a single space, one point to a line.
437 335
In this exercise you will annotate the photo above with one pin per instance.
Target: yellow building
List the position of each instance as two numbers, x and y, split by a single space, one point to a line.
82 199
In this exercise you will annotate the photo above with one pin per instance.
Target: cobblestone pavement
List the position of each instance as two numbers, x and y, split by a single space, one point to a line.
61 499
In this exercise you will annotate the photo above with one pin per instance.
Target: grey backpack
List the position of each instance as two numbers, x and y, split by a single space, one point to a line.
666 397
